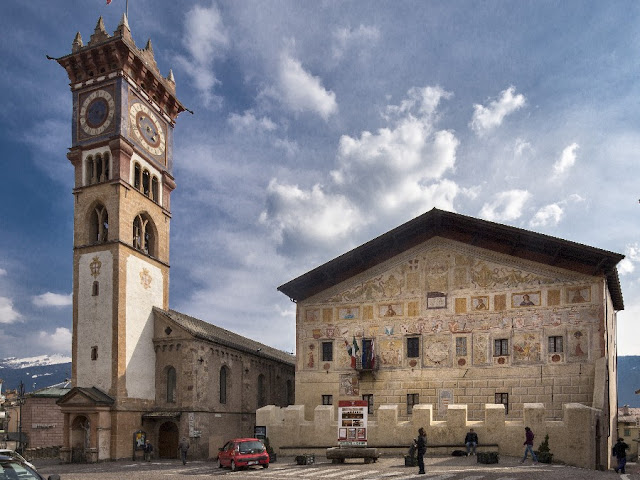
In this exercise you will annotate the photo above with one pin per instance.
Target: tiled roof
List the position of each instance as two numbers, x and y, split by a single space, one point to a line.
212 333
57 390
631 416
512 241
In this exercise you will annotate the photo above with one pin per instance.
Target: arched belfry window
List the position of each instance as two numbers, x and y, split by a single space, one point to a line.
137 176
154 189
97 168
146 182
90 171
143 238
223 384
99 225
171 385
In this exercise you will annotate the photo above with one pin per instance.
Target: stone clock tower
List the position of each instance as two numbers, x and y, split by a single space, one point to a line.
124 112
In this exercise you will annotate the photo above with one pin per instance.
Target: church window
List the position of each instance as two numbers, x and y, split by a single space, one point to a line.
94 353
99 225
146 182
95 289
154 189
555 344
223 385
503 398
136 176
500 347
99 169
412 399
461 346
327 351
171 385
413 347
369 399
143 239
262 396
90 171
327 399
290 399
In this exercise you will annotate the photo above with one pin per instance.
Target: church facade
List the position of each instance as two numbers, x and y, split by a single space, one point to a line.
139 369
448 310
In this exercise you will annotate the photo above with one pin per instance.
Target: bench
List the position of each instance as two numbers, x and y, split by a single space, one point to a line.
340 454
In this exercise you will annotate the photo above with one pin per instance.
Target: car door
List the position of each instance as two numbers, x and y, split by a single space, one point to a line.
225 453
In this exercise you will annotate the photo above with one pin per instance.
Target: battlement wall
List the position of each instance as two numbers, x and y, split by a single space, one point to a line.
572 440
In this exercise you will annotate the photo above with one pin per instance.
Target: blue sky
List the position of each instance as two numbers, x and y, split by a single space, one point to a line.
320 125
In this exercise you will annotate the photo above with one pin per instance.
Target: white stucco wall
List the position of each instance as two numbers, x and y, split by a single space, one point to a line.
144 291
95 317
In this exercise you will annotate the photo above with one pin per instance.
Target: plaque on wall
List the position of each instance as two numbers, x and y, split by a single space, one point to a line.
436 300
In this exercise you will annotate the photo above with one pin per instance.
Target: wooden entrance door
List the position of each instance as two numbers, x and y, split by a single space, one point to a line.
168 440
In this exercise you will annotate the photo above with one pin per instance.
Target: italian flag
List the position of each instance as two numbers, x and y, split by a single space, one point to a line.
352 350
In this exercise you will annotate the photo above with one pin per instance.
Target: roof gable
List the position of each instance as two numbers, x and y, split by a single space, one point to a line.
512 241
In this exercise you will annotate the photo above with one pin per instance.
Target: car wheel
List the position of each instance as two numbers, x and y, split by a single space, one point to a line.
219 464
265 465
233 466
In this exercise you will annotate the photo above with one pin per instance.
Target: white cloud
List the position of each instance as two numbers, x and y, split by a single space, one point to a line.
345 38
566 161
205 39
3 272
548 215
52 300
58 341
397 172
505 206
632 256
300 91
249 123
7 313
488 118
521 147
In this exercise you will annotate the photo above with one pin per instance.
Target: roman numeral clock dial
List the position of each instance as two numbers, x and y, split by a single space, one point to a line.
96 112
147 129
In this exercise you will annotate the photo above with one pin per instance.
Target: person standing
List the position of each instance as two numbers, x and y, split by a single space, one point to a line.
528 446
183 447
471 441
421 445
620 451
148 448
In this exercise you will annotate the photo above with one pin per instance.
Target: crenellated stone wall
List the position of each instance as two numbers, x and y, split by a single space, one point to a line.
572 440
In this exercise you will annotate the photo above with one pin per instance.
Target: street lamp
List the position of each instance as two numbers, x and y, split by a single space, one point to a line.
20 402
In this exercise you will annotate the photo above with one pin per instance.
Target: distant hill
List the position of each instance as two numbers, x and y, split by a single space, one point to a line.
628 381
34 372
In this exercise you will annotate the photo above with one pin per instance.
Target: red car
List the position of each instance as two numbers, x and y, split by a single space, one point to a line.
243 452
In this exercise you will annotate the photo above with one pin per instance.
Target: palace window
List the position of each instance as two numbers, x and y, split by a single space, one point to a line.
412 399
413 347
368 355
369 399
223 384
137 176
555 344
503 398
327 351
500 347
171 385
95 289
461 346
327 399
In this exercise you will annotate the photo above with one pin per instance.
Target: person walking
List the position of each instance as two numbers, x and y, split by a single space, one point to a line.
620 452
421 445
528 446
148 448
471 441
183 447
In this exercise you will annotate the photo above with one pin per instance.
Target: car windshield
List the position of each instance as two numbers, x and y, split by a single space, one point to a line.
12 470
251 447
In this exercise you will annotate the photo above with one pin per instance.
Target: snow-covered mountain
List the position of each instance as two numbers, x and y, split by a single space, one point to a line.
35 372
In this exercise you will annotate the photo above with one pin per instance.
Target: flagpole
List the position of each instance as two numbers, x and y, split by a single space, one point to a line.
126 9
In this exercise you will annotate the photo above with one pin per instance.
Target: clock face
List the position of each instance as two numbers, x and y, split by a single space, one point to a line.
96 112
147 128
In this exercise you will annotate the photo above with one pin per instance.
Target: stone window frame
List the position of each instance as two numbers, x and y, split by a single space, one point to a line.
412 399
327 351
146 182
502 398
413 351
555 344
144 237
500 347
224 384
171 376
98 224
461 350
97 168
327 399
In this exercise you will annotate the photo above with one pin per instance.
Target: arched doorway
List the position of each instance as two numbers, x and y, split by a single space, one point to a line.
168 440
80 430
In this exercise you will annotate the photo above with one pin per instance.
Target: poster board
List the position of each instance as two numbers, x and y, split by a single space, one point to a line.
352 423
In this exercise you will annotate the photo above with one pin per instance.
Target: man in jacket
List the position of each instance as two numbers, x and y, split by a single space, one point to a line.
620 452
528 446
183 447
421 445
471 441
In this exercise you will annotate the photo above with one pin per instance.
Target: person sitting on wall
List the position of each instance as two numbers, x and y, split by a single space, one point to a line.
471 442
